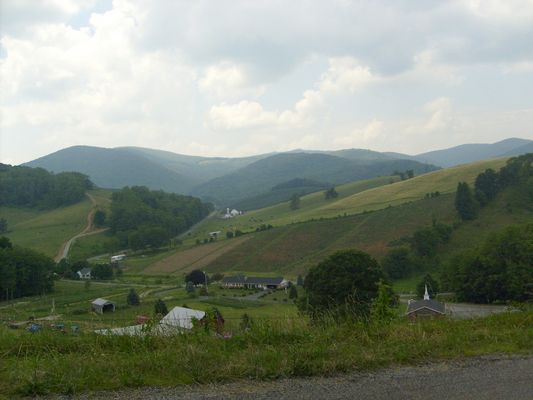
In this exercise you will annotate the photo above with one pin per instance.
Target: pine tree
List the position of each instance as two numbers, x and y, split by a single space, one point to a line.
293 293
133 298
465 203
160 307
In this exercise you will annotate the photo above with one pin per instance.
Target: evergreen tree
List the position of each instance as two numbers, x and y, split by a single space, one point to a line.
465 204
295 201
160 307
293 293
299 280
133 298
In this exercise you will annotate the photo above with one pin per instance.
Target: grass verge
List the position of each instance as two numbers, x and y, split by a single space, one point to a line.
50 362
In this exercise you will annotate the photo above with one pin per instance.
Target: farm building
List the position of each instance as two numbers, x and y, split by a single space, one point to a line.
84 273
102 305
181 317
425 308
178 320
250 282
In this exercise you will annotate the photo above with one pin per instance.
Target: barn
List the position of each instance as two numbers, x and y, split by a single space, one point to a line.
101 306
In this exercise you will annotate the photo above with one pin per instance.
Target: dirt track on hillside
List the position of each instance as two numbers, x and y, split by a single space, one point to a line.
487 378
88 230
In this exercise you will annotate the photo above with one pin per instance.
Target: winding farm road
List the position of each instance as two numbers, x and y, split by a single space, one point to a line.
88 230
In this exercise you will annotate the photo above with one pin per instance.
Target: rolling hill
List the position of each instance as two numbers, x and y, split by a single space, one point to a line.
354 198
258 177
468 153
291 248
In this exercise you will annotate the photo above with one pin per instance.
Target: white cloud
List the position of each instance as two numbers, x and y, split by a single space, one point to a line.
176 75
227 80
362 136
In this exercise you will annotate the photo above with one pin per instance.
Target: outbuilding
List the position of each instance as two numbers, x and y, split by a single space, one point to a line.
102 305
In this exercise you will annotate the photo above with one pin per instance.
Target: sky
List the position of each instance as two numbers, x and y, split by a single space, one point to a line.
235 78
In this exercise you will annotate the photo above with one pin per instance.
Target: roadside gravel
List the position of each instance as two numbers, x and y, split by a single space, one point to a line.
489 377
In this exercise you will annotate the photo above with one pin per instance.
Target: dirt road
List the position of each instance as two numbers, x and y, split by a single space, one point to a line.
88 230
488 378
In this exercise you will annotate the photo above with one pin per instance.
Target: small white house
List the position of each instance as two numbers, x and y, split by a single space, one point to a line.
84 273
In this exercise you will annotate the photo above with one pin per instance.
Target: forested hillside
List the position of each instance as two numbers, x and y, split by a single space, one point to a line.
36 187
143 218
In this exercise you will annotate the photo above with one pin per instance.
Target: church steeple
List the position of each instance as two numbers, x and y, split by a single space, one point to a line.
426 294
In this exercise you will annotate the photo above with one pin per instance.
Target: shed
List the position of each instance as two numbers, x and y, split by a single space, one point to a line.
102 305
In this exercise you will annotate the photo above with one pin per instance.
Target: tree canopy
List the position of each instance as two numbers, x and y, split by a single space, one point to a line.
36 187
465 203
144 218
345 283
197 277
23 272
500 270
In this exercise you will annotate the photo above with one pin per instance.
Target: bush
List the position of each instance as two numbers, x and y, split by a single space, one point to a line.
133 298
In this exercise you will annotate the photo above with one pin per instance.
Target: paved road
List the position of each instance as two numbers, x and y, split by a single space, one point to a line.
488 378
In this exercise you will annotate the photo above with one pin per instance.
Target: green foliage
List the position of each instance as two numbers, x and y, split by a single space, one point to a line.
383 305
425 242
160 307
189 287
23 272
295 201
293 293
331 193
133 298
465 203
344 283
3 225
499 271
486 186
36 187
99 218
229 234
197 277
150 218
432 285
102 271
299 280
399 263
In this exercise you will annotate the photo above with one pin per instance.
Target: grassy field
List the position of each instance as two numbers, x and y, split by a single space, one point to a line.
47 230
282 347
354 198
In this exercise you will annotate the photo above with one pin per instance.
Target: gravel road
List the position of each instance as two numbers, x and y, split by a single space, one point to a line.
488 378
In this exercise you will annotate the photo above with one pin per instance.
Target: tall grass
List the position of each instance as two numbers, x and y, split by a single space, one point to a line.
51 362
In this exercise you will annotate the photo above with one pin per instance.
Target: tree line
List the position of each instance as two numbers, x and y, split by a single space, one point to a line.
23 272
142 218
36 187
518 170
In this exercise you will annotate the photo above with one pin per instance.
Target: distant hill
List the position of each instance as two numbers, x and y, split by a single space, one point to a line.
225 181
258 177
468 153
281 192
114 168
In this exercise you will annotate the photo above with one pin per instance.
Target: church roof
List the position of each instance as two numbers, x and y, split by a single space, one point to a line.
433 305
